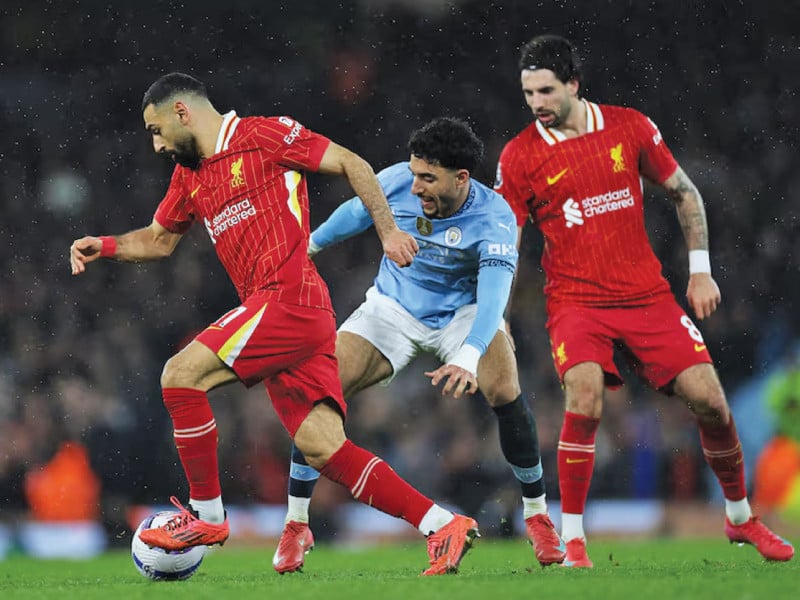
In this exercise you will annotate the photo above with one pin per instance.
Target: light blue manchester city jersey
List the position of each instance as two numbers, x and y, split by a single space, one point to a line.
443 277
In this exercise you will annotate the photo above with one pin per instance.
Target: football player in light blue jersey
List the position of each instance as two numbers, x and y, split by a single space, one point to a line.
449 302
467 250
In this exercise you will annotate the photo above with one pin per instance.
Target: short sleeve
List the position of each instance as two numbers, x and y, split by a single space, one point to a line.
498 243
509 183
174 213
291 144
656 160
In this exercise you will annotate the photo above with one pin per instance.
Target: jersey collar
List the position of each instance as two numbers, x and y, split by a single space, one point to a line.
594 122
229 123
468 202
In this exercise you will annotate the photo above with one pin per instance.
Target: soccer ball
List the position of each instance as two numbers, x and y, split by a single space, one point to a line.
163 565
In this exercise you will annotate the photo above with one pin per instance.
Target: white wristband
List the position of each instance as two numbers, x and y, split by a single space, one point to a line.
699 262
467 358
312 247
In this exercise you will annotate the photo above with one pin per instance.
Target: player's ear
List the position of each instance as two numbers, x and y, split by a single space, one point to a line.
573 86
182 111
462 176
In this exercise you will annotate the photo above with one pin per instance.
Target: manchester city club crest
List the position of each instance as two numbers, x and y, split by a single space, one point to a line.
424 226
452 236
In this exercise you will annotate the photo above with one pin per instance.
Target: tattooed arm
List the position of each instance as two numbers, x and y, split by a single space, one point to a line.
702 293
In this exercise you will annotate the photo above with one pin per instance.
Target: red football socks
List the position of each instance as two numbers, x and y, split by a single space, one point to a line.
196 440
723 453
576 461
373 482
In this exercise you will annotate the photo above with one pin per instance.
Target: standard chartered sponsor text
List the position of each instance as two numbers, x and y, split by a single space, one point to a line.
232 215
608 202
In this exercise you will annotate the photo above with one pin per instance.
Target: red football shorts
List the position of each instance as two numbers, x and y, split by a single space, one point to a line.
290 348
659 340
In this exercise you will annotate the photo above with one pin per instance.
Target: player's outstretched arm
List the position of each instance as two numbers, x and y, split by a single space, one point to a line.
149 243
350 218
398 245
702 292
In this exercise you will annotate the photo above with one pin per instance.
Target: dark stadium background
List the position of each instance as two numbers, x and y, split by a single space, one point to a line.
80 358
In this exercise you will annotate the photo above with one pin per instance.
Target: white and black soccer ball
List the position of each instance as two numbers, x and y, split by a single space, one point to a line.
163 565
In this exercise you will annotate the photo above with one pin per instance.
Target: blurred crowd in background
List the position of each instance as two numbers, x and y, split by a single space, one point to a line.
80 358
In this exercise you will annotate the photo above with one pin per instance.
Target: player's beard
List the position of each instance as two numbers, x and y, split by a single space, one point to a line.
186 152
559 116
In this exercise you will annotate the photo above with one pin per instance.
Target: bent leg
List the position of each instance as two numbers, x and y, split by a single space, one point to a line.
186 378
700 388
519 440
361 365
499 381
371 481
322 441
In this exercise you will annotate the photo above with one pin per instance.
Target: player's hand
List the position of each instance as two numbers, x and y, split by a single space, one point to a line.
459 380
83 251
400 247
703 294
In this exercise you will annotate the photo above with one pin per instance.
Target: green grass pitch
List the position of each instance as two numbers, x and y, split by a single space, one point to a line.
493 570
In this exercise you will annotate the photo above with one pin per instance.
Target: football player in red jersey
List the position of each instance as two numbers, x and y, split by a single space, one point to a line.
243 179
576 172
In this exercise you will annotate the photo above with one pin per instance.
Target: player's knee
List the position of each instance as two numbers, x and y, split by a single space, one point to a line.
175 374
317 451
585 401
717 401
700 387
583 388
501 393
320 435
712 405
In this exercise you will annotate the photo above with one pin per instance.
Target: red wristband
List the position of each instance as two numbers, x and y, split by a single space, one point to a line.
109 248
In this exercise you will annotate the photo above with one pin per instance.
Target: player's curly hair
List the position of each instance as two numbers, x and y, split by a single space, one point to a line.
447 142
170 84
551 52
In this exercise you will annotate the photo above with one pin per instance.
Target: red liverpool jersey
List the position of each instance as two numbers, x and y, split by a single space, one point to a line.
585 195
251 195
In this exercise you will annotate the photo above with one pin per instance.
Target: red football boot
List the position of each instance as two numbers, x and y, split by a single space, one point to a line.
448 546
547 544
185 530
296 541
769 545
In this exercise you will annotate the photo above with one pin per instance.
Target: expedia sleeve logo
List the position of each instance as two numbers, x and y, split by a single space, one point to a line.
657 139
294 133
498 177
